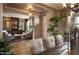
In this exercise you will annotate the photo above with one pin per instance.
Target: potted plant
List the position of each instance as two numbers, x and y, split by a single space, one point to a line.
4 47
54 22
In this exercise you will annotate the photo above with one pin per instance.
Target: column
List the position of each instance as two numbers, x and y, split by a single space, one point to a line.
33 27
45 20
41 25
1 19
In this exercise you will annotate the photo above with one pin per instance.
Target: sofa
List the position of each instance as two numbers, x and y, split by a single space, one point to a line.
7 36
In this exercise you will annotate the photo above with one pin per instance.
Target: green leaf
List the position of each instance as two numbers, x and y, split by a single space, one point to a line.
54 23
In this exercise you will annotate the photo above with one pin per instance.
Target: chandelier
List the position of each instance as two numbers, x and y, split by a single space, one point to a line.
30 12
72 6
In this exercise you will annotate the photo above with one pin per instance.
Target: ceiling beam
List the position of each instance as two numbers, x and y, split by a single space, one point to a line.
44 6
10 9
40 6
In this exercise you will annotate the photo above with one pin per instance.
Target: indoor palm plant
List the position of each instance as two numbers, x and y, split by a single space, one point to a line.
54 22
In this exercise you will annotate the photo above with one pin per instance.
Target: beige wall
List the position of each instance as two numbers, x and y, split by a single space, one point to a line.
62 27
1 20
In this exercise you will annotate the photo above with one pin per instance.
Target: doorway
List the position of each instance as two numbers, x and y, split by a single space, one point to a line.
74 41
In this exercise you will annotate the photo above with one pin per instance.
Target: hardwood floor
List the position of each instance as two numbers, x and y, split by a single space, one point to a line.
20 47
75 50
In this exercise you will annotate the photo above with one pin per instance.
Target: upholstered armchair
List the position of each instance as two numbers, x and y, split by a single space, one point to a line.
59 39
37 46
50 42
7 36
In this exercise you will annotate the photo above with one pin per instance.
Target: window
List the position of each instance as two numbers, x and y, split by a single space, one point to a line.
77 22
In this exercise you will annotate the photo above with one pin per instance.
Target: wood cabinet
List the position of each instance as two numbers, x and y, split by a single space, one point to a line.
15 25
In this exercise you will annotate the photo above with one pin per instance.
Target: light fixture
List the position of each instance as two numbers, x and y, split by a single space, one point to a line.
72 6
30 12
